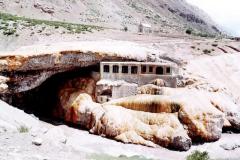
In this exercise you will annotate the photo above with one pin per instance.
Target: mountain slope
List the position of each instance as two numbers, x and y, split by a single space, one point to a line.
168 16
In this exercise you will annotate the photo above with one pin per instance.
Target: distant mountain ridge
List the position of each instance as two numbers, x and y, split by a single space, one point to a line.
166 16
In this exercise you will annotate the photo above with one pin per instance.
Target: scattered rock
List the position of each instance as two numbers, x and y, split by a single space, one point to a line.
158 82
55 135
192 18
230 146
37 141
45 9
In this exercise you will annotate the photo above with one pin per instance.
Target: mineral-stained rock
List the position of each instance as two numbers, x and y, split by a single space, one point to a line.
149 89
3 79
147 103
202 120
230 109
31 70
158 82
3 85
137 127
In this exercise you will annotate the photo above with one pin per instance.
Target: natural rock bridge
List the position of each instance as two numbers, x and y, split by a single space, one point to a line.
58 83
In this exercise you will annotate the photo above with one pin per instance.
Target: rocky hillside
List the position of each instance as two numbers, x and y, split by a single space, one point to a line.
167 16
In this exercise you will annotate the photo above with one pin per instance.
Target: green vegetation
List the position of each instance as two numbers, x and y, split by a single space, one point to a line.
121 157
9 32
197 155
23 129
190 31
6 19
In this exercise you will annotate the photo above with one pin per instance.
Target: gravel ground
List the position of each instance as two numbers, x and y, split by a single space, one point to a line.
63 142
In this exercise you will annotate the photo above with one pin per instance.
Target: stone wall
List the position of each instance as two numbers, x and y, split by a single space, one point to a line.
124 90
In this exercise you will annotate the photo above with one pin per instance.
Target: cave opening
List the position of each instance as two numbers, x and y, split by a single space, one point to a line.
42 100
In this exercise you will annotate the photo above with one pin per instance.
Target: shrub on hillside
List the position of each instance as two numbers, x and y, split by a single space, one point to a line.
189 31
197 155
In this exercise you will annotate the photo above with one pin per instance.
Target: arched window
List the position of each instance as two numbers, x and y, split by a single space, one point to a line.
159 70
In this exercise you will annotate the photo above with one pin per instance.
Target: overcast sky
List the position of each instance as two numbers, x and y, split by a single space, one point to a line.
224 12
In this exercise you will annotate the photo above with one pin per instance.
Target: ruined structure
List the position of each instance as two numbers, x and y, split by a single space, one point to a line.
122 79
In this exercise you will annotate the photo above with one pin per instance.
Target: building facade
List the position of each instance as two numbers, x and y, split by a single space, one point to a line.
132 75
144 28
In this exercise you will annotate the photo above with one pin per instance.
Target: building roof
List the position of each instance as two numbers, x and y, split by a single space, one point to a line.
146 25
142 63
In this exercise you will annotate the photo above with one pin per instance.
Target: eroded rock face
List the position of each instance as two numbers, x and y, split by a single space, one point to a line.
202 120
173 119
69 92
31 70
150 129
3 85
230 109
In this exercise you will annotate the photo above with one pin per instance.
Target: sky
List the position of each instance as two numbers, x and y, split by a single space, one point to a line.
224 12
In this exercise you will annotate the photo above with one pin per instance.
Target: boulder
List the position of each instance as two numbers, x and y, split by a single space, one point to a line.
3 85
158 82
37 141
149 89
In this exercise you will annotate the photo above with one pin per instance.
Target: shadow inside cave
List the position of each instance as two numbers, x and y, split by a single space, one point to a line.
42 100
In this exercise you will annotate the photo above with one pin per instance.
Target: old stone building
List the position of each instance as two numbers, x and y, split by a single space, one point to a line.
144 28
122 79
